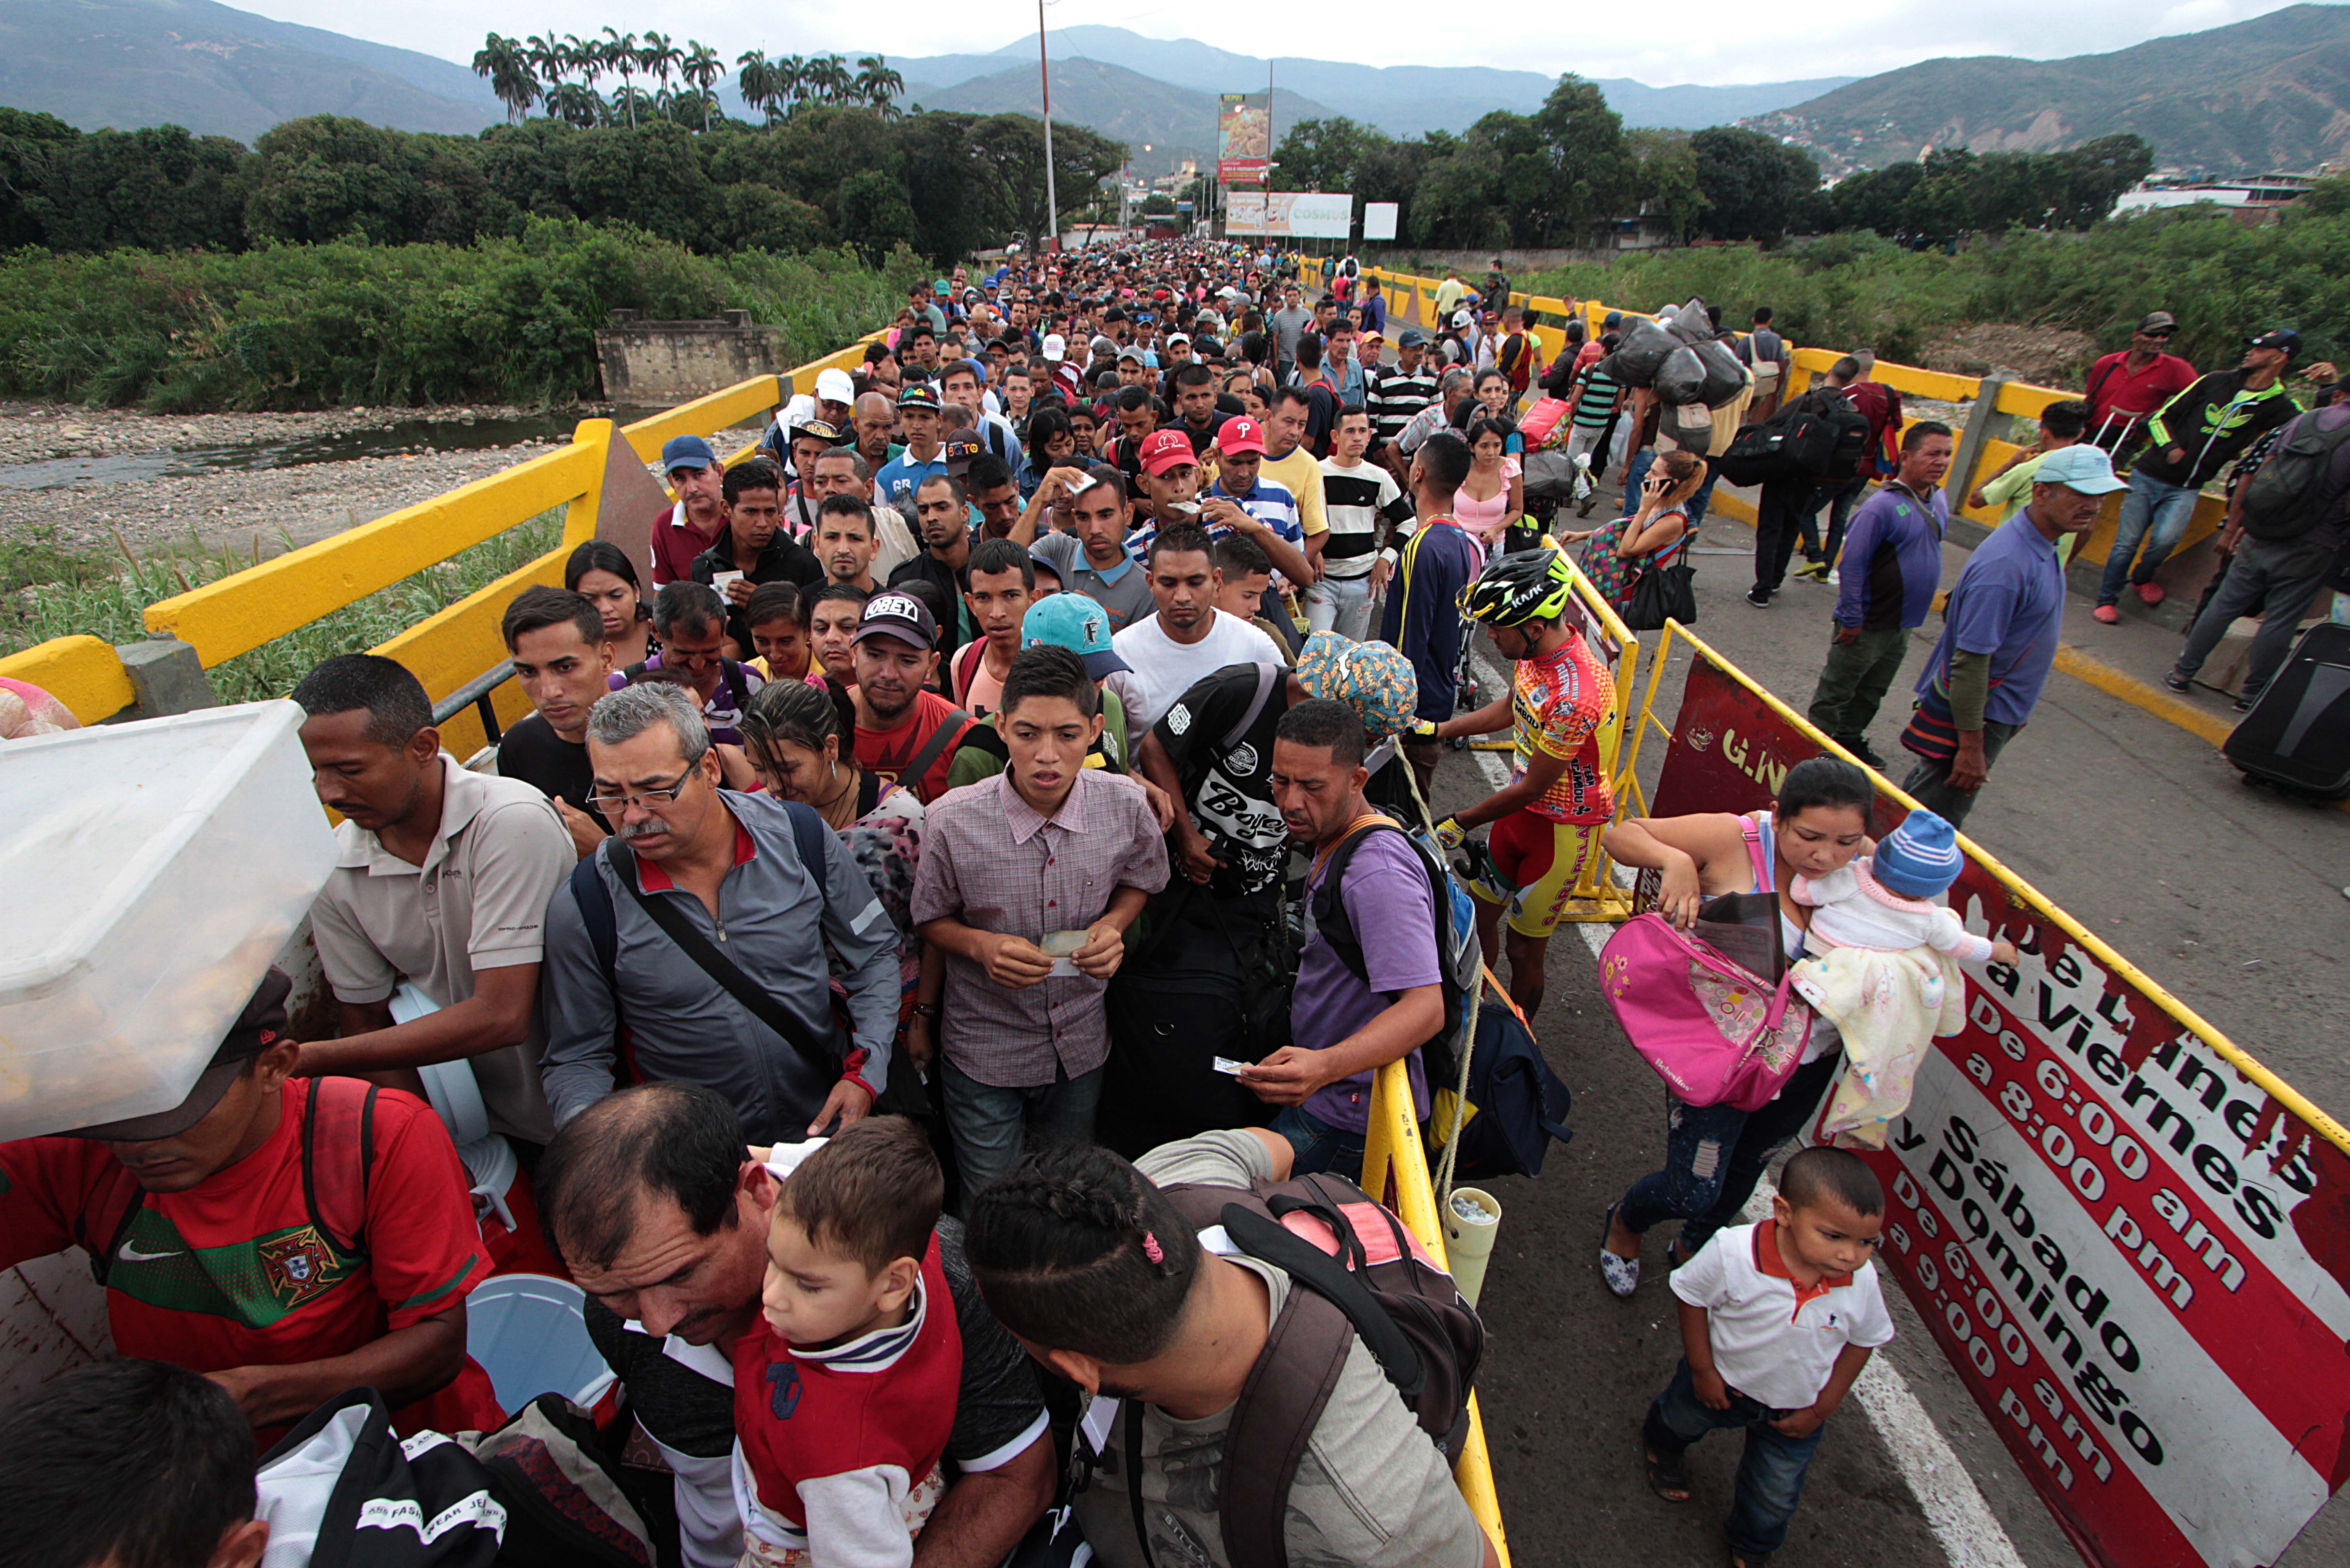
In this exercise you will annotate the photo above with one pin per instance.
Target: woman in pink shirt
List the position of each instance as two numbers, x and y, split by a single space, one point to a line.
1494 497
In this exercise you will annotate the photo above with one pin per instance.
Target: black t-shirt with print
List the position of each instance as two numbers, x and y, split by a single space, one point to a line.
532 752
1229 787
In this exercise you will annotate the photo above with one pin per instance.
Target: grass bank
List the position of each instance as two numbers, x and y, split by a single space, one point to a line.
46 590
350 323
2221 278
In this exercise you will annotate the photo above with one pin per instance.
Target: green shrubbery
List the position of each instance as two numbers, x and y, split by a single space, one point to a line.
2222 279
347 322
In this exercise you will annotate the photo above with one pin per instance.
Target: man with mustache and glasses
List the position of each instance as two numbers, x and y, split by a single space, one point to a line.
754 886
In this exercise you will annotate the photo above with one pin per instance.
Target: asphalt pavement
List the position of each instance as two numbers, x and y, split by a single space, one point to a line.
2228 896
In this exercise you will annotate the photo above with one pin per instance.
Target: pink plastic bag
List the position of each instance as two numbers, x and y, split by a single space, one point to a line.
1713 1031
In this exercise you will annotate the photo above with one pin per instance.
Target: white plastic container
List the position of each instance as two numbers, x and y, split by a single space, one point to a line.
149 873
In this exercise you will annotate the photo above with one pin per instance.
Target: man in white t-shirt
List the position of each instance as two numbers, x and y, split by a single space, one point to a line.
1189 637
1777 1320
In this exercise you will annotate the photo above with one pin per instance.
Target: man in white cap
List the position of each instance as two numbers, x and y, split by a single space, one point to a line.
1999 635
832 402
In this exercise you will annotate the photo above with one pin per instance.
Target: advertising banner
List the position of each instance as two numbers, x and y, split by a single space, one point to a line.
1291 214
1379 220
2130 1241
1245 212
1244 140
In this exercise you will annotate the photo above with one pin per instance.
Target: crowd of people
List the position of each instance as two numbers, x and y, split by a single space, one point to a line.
895 903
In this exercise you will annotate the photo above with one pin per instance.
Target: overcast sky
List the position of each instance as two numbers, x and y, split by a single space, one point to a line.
1694 41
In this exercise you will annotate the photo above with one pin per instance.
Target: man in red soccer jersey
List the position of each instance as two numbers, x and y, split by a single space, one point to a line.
289 1238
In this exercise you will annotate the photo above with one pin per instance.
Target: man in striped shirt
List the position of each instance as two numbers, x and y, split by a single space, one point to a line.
1400 390
1363 504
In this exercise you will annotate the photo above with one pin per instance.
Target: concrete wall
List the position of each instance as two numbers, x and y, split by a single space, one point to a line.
666 361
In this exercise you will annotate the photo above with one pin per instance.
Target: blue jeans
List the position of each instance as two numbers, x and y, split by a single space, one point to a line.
1715 1154
1341 605
1318 1144
1704 496
1769 1475
2149 506
991 1125
1841 499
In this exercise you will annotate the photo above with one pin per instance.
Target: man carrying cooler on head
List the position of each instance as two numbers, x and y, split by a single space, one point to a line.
1547 820
238 1234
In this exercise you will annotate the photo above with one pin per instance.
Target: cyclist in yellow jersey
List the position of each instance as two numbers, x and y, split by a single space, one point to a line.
1548 818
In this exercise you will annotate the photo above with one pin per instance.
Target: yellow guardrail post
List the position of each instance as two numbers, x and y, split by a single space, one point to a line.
1395 1171
82 672
579 517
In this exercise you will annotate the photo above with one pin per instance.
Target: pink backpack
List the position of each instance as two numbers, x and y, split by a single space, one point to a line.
1713 1031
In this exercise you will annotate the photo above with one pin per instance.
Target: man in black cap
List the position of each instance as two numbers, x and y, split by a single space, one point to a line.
289 1238
2197 434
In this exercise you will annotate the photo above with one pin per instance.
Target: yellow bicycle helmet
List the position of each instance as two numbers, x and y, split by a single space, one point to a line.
1530 584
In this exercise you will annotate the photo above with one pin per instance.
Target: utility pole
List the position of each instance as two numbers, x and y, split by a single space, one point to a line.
1045 75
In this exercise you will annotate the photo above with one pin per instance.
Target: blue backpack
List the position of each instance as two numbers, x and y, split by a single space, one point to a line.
1456 922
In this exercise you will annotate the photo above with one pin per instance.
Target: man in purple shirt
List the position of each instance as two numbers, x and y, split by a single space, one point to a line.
1028 883
1347 1023
1999 635
1892 563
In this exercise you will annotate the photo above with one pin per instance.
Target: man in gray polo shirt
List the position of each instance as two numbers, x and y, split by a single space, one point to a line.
730 863
442 878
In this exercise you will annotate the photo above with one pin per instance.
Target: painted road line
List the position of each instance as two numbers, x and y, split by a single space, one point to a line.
1971 1534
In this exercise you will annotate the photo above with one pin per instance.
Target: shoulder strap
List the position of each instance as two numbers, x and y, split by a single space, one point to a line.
336 1206
808 834
1288 1388
1753 830
1268 676
966 665
954 725
679 928
595 901
1330 920
101 1257
735 689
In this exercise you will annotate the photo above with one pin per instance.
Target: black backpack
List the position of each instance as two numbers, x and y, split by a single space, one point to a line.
1820 437
2294 491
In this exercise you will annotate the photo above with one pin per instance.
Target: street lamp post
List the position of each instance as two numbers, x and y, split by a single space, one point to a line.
1045 76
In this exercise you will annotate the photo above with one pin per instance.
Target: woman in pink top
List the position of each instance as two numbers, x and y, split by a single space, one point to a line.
1493 498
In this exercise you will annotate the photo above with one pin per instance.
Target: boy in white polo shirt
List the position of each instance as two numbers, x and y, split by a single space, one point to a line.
1777 1319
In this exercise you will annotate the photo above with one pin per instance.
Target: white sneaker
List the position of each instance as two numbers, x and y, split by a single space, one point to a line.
1833 581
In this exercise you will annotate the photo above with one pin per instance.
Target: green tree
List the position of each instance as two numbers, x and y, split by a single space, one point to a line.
505 64
1753 185
158 189
618 53
873 212
1665 179
878 87
27 141
1591 180
704 70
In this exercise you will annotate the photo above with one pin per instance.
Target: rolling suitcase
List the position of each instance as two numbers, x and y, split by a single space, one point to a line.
2298 732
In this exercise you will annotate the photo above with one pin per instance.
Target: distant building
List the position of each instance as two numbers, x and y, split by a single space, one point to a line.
2256 194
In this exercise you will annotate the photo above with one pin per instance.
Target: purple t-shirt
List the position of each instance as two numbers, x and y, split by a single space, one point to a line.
1387 902
2008 603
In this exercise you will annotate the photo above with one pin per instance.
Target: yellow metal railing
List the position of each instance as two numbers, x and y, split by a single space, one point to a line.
1395 1171
246 609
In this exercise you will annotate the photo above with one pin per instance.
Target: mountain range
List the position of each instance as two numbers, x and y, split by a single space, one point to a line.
2271 95
219 71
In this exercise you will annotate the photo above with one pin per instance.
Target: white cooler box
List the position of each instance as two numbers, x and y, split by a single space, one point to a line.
149 873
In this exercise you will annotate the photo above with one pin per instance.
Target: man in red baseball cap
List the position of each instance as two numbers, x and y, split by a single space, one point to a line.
289 1238
1170 478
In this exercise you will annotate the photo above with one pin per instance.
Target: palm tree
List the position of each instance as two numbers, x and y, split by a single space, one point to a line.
586 58
703 67
547 57
790 80
755 78
660 56
507 68
829 79
619 50
575 103
880 86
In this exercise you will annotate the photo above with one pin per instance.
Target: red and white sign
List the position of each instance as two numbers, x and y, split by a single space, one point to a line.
2134 1255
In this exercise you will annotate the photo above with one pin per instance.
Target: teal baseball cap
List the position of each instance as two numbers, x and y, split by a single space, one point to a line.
1076 623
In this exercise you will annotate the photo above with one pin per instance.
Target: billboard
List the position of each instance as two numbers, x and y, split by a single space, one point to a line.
1379 220
1291 214
1244 140
2128 1239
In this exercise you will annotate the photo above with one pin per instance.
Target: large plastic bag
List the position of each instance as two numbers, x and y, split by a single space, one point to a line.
1690 323
1645 345
1723 374
1681 377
